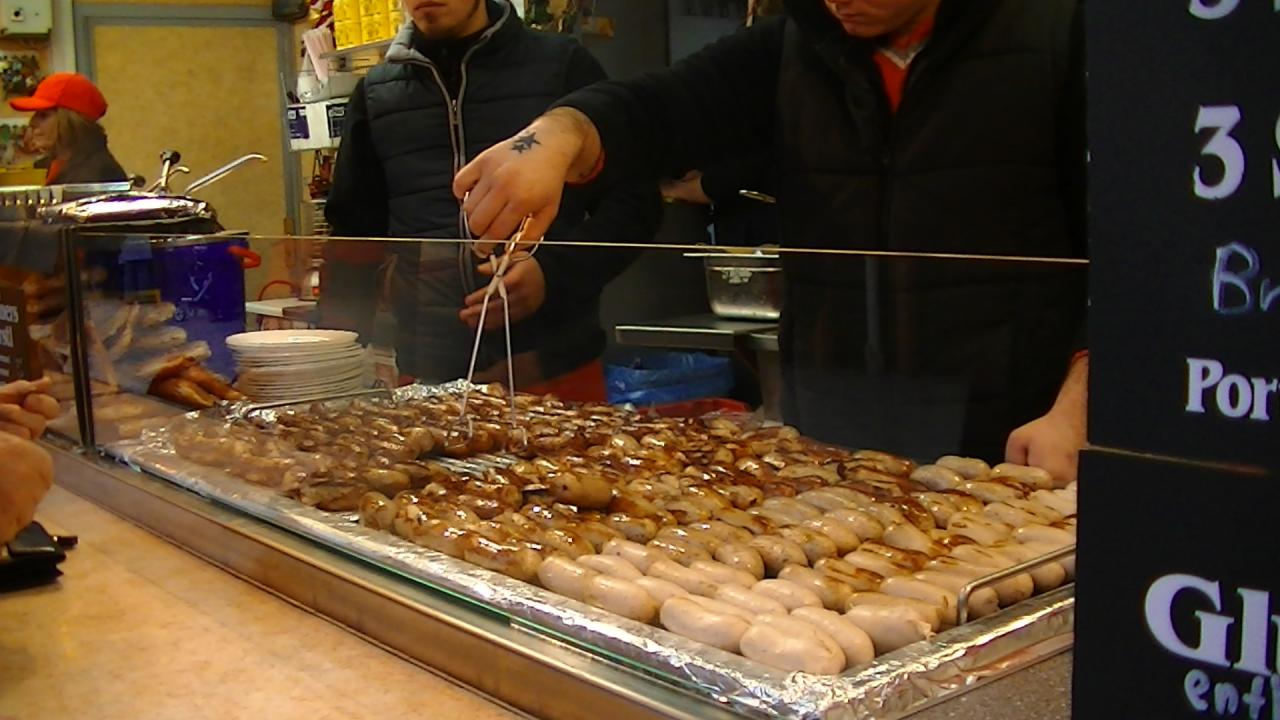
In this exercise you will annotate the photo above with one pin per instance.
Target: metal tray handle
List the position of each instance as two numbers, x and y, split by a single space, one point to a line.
962 604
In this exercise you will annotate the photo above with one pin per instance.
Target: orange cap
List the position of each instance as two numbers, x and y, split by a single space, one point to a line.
69 90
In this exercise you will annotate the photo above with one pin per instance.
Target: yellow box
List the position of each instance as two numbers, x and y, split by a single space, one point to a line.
395 16
346 10
373 28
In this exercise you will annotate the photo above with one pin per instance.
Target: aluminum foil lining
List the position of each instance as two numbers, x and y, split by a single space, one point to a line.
892 686
129 208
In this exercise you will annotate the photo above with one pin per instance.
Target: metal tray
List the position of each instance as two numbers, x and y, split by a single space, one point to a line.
895 685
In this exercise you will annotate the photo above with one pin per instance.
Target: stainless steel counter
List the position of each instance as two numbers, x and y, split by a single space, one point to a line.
1041 692
701 332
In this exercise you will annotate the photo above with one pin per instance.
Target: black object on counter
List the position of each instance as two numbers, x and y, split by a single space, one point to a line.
32 558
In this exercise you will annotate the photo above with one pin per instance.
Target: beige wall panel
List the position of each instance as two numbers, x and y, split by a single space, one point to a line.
211 93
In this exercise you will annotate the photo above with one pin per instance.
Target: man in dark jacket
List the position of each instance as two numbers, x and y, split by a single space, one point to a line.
908 126
460 76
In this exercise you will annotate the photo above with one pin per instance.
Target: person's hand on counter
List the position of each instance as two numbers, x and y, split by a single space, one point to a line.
526 291
1053 440
26 408
25 477
524 177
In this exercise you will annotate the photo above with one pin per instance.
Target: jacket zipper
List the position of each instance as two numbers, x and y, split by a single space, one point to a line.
458 139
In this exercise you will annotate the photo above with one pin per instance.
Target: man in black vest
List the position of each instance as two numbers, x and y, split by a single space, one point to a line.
945 127
461 75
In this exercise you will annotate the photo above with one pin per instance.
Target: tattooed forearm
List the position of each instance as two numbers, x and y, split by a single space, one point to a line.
525 142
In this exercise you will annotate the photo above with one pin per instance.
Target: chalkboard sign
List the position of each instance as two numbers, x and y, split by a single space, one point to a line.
1184 188
17 351
1177 592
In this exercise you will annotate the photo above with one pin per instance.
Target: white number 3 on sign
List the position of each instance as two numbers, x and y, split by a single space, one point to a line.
1222 119
1216 10
1213 10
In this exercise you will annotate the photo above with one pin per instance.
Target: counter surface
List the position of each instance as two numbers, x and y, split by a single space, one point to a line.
138 628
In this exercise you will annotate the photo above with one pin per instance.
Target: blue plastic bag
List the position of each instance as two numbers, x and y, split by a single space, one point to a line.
662 378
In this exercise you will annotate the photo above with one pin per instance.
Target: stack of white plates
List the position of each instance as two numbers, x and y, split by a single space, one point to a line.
294 364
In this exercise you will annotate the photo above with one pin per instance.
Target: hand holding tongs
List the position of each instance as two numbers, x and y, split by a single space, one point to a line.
500 266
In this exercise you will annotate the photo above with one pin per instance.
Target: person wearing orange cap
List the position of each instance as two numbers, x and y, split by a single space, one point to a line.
65 129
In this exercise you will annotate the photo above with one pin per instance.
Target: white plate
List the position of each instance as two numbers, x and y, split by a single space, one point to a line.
298 394
247 386
289 359
303 373
275 341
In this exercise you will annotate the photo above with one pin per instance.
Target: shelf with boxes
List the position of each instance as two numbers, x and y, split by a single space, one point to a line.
365 22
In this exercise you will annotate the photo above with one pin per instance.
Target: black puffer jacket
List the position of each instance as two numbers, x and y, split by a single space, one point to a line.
412 123
984 156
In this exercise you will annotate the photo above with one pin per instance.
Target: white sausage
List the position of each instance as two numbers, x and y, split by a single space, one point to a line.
1033 476
638 555
853 640
875 563
621 597
940 506
910 537
982 602
660 590
926 612
1046 577
561 575
722 574
906 586
724 531
822 499
792 645
1057 537
1043 513
867 527
792 506
750 600
685 617
839 532
684 577
1056 500
723 607
742 557
1043 548
816 546
937 477
885 514
969 468
1009 514
833 593
1011 590
890 627
681 551
979 528
610 565
777 553
788 593
989 492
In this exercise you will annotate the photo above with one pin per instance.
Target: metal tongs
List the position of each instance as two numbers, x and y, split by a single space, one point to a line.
500 265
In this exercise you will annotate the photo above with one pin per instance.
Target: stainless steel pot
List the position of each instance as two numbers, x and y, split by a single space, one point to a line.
743 286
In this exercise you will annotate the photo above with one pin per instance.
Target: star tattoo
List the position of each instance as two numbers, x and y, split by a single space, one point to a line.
525 142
